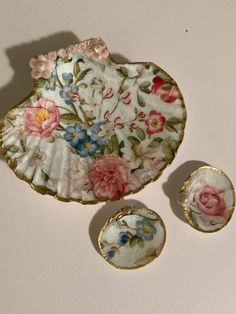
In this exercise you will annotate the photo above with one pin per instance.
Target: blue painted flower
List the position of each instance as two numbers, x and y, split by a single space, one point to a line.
145 229
124 237
75 134
110 254
51 82
68 92
94 129
67 77
87 147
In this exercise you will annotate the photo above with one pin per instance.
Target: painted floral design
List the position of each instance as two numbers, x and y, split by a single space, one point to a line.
42 65
133 238
109 176
155 123
210 201
167 91
115 120
41 118
95 49
145 229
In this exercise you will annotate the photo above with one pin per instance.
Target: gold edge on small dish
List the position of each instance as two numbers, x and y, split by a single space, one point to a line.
36 188
124 211
187 183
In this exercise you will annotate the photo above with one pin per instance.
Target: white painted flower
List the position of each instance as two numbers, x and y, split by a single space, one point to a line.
36 158
140 155
78 176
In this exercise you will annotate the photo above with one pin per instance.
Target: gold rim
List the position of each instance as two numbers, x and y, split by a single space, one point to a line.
186 185
121 213
12 164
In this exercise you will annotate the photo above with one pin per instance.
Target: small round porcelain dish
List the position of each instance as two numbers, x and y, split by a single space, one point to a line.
208 199
132 238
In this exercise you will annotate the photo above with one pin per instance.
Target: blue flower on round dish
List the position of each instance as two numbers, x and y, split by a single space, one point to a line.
145 229
110 254
51 82
68 92
124 237
67 77
75 134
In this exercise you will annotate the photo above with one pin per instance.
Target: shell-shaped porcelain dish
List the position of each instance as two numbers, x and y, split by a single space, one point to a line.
92 129
132 238
208 199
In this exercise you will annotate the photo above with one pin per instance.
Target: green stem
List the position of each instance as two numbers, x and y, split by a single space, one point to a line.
65 109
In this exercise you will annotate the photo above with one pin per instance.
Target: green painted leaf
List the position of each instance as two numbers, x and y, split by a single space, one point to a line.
155 143
141 243
145 90
69 118
147 66
144 84
13 149
133 139
76 68
174 121
134 241
51 139
156 70
173 144
83 85
45 176
82 75
170 128
123 71
67 60
141 101
40 82
140 133
167 150
112 146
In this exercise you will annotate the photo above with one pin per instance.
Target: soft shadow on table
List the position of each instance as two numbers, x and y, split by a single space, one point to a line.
118 58
21 84
103 214
175 182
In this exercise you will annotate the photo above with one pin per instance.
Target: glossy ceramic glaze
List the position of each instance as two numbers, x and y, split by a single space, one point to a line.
208 199
92 129
132 238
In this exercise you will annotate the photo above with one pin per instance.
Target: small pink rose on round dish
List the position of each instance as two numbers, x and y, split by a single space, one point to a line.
41 118
109 177
210 201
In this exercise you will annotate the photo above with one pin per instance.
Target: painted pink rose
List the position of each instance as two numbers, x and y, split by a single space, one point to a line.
155 122
210 201
95 48
42 65
109 176
168 93
42 118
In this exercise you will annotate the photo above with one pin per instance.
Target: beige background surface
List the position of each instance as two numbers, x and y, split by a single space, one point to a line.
48 264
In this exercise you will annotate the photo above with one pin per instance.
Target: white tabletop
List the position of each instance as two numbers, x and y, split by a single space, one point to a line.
48 263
